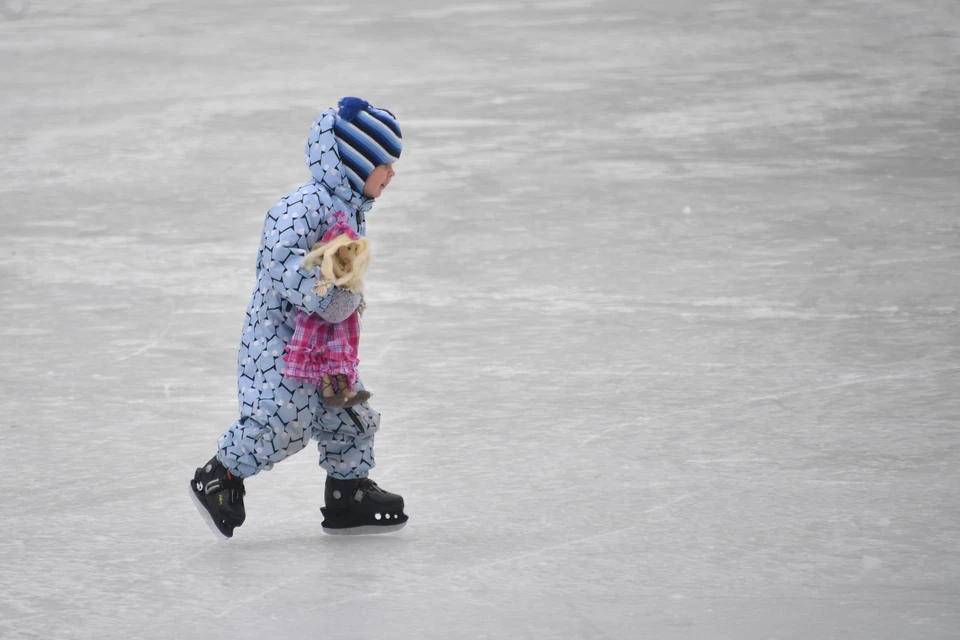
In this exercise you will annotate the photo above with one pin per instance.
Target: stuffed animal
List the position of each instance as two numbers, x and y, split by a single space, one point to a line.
343 261
322 351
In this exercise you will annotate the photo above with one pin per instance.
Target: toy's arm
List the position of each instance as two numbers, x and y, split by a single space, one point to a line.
342 305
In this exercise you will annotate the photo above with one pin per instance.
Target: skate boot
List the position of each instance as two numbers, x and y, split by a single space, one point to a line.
218 496
359 506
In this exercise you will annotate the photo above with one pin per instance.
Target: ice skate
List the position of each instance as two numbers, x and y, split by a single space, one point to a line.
218 496
359 506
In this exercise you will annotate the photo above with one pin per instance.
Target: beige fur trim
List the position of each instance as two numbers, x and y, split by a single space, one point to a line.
349 276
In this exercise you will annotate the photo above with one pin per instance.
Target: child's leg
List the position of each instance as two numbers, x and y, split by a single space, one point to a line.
343 456
345 440
248 447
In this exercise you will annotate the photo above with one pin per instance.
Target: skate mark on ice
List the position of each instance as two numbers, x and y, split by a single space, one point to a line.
520 556
773 397
727 460
605 534
153 343
156 338
445 521
393 339
247 601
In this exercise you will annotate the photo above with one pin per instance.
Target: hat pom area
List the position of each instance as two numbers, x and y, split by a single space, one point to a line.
350 107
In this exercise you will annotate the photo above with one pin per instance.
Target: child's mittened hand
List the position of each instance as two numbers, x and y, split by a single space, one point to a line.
342 305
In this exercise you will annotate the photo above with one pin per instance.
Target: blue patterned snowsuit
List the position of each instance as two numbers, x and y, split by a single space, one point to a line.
278 416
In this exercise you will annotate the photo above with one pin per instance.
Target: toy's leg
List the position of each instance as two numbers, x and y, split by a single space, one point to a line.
350 397
327 386
357 398
343 388
328 397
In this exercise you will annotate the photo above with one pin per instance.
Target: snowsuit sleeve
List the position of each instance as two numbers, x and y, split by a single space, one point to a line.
287 237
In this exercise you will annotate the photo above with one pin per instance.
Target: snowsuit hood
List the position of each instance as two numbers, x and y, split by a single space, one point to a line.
323 159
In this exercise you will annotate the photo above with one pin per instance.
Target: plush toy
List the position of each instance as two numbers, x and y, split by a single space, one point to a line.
324 348
342 260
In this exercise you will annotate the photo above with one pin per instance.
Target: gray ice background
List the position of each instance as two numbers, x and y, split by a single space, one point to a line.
663 318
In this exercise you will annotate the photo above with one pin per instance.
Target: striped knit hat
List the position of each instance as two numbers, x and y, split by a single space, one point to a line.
367 137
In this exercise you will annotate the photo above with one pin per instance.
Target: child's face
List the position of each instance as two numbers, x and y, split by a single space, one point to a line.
378 180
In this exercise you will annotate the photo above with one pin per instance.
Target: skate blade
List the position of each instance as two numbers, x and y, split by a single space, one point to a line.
367 530
206 516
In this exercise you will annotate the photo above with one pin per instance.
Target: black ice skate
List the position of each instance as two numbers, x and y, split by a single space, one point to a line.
356 507
218 496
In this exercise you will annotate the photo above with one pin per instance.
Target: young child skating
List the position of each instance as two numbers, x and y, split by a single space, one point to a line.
322 352
350 152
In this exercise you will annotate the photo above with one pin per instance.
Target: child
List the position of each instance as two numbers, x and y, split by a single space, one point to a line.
350 152
324 348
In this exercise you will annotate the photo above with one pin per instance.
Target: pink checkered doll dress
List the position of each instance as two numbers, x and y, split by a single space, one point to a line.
326 353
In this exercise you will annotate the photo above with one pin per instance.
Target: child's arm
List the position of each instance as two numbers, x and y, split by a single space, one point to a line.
287 238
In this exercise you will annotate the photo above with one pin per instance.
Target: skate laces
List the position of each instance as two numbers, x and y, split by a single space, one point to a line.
235 485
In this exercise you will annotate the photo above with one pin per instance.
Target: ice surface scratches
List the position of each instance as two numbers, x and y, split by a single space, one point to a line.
662 319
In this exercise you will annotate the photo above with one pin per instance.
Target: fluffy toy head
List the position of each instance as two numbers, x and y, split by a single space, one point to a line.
343 261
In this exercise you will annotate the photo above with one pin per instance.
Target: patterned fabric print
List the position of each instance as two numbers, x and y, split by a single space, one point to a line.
346 451
321 348
270 403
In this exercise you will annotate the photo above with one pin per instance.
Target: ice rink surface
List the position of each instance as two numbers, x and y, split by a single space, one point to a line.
663 318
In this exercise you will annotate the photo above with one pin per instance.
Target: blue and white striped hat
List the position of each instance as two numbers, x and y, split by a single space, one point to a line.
367 137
